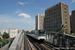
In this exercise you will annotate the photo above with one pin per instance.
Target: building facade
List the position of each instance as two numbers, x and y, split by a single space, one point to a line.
55 16
73 21
39 22
2 31
13 32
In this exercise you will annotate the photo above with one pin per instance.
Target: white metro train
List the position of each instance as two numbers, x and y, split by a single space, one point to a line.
38 34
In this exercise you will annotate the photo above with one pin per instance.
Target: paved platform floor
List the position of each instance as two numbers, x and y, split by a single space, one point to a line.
5 47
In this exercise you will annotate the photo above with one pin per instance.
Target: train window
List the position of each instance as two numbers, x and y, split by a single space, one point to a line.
41 32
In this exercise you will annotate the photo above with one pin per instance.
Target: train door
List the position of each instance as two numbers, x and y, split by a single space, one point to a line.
36 32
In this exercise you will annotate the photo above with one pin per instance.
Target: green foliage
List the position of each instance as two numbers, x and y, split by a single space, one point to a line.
10 43
2 40
61 31
27 31
66 32
0 33
5 35
0 37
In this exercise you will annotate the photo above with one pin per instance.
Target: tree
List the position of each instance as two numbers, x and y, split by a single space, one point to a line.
5 35
27 31
0 33
0 38
61 31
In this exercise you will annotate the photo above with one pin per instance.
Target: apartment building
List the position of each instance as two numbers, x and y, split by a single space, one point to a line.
55 16
3 30
73 21
13 32
39 22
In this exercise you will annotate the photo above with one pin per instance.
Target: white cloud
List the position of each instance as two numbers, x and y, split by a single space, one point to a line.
18 11
9 24
7 21
73 1
29 22
24 15
22 3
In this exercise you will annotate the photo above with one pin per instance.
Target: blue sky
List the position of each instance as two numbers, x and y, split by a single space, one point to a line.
21 13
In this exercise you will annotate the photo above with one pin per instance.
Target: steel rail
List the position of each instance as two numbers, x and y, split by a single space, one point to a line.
28 42
34 43
26 45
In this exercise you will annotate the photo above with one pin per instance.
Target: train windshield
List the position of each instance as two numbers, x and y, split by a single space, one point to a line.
41 31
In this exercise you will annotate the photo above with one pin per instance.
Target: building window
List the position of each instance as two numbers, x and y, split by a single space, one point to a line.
65 18
65 26
65 15
65 8
65 22
65 12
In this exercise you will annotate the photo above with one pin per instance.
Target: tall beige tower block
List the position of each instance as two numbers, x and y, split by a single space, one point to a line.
39 21
55 16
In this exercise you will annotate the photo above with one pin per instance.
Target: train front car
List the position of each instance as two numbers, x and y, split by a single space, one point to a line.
41 34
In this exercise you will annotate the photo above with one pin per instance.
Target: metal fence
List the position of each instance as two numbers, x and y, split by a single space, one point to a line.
3 44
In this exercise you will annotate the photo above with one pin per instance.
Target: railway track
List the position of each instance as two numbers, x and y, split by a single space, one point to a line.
27 44
40 45
37 44
33 42
48 45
